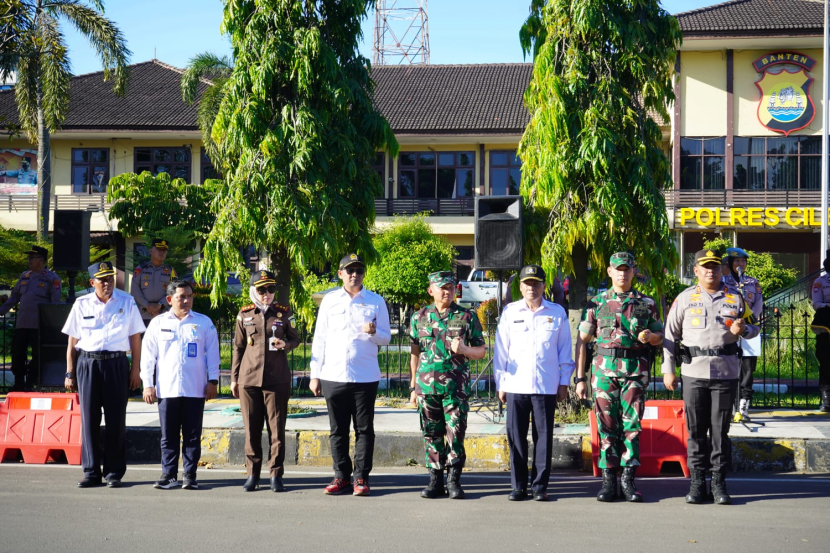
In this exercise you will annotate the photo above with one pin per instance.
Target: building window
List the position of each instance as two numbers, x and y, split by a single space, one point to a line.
173 161
90 170
777 163
206 167
378 167
702 163
505 173
436 174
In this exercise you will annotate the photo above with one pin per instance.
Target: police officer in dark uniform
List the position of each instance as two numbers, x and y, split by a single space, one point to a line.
821 323
260 377
102 327
150 280
35 286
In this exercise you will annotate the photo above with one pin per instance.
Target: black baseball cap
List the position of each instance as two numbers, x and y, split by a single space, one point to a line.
262 278
351 259
707 256
37 250
532 272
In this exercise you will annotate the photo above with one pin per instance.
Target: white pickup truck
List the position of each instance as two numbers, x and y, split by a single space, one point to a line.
478 288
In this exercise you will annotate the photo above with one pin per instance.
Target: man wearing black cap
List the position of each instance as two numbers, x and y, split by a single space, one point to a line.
150 280
821 326
35 286
102 327
708 320
351 324
533 366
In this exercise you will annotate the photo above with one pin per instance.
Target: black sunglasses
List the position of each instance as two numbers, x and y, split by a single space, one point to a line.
266 289
354 270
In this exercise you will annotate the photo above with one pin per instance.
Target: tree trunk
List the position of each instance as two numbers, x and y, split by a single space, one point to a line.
281 267
44 170
578 291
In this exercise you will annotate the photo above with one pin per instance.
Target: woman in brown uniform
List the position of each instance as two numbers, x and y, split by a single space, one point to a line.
265 332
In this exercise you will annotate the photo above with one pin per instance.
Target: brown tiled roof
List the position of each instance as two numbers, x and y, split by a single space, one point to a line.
418 99
153 101
754 17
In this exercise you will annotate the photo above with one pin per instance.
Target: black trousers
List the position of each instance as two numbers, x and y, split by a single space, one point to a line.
519 410
823 355
746 378
708 416
103 384
181 416
351 402
25 373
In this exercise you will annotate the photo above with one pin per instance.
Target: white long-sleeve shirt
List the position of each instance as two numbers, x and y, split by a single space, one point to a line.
185 351
533 353
341 351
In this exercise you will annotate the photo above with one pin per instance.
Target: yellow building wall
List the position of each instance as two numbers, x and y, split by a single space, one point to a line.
703 93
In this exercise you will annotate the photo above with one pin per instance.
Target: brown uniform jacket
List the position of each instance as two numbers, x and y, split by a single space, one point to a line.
253 363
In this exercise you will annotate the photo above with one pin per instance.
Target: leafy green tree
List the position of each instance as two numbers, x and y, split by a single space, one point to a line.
210 69
144 203
34 47
296 132
593 168
408 252
761 266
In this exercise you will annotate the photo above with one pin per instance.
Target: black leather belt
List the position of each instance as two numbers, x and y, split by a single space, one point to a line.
102 355
730 349
621 353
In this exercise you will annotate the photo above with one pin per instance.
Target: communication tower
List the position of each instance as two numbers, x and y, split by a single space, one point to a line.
401 33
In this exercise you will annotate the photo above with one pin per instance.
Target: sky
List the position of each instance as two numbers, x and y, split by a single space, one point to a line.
173 31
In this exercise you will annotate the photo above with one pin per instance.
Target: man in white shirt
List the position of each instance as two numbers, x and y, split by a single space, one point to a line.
184 346
533 367
351 323
102 327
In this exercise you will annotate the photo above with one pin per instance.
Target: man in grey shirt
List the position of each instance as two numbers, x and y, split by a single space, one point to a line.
708 319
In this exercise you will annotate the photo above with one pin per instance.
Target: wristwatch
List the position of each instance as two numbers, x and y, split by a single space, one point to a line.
411 389
577 380
214 382
70 376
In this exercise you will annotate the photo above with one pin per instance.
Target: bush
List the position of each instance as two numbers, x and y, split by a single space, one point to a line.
488 312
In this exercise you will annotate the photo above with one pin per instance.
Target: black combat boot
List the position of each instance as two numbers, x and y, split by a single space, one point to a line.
435 488
719 488
454 481
825 401
707 475
697 491
609 486
628 487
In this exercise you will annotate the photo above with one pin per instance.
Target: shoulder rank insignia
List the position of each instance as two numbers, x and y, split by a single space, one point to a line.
248 307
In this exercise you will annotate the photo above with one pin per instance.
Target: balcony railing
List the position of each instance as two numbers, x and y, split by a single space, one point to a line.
742 198
28 202
434 206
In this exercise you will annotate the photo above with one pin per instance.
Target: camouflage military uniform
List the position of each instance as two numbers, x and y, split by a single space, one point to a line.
619 383
443 380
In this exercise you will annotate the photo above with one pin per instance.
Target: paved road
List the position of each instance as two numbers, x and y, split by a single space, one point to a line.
42 510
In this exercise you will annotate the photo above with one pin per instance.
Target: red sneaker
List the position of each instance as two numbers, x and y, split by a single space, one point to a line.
361 487
338 486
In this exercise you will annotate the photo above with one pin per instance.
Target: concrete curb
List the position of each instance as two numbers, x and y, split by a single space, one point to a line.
222 446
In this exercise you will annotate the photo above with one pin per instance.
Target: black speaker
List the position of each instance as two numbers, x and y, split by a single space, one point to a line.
52 344
498 232
70 250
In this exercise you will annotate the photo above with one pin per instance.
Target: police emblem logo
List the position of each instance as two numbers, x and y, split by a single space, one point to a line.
710 253
352 257
263 274
531 270
785 104
102 267
279 315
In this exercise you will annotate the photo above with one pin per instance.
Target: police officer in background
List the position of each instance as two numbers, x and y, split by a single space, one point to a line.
150 280
735 262
102 327
35 286
703 327
821 303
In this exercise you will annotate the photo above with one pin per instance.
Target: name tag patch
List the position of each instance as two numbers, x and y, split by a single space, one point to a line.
191 349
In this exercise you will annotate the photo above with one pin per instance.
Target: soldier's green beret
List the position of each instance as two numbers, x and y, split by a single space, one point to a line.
441 278
622 258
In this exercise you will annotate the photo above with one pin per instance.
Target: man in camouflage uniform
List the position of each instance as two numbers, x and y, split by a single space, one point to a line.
735 262
624 322
821 303
150 280
443 338
35 286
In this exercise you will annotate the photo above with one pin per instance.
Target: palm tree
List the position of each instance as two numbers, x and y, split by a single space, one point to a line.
210 69
34 47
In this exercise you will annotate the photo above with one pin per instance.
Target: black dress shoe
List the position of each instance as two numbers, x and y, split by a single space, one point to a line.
277 484
89 482
251 484
540 496
113 482
517 495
